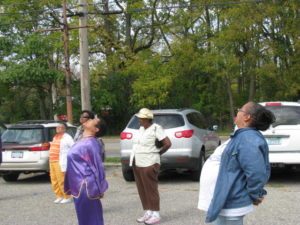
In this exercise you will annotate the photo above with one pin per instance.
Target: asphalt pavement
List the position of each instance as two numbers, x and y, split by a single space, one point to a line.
112 146
29 201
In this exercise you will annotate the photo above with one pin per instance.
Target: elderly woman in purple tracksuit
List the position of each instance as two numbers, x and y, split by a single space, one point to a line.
85 175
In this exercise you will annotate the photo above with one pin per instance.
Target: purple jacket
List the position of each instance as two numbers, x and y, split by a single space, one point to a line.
84 165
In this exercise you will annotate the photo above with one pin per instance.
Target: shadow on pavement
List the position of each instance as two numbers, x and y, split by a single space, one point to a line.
284 176
174 177
33 178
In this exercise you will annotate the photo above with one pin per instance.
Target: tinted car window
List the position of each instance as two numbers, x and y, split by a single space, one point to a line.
285 115
22 136
167 121
196 119
134 123
52 132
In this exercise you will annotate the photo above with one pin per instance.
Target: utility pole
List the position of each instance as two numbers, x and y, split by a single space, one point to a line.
84 58
67 64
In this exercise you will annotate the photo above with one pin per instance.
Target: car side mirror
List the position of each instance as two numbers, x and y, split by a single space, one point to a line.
215 127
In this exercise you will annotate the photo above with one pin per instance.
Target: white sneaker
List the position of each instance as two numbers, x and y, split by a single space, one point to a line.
152 220
142 219
66 200
58 200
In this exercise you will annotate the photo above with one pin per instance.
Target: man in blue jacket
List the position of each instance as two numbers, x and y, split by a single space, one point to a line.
233 178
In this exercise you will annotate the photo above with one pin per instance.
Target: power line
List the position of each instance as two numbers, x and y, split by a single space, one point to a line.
19 22
137 10
20 4
182 6
45 11
14 4
140 9
195 5
26 21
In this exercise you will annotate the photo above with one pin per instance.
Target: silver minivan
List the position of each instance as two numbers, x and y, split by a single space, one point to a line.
192 141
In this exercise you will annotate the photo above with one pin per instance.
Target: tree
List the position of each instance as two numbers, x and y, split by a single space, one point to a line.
30 60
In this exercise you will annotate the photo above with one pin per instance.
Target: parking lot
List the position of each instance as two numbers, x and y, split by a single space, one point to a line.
29 201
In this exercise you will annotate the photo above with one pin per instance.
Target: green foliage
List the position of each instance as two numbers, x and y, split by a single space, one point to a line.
153 82
28 69
211 56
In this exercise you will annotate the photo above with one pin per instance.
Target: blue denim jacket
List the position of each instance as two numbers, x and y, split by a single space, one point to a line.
244 170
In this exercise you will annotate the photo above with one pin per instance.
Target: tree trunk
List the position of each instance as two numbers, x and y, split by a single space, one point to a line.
252 87
42 104
208 27
108 28
230 98
128 30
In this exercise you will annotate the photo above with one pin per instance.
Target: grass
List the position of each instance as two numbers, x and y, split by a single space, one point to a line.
224 131
113 159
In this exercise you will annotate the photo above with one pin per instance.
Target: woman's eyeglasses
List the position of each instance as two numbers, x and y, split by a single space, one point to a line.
240 110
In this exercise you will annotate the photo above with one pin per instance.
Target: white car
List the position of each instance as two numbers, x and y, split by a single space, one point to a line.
283 136
25 147
192 141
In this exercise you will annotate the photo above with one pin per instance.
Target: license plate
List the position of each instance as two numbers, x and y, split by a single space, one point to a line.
277 165
18 155
273 141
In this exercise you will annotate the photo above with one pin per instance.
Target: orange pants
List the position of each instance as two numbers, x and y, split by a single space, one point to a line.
57 180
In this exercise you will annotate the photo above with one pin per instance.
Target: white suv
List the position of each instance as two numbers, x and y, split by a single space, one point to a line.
192 141
25 147
283 136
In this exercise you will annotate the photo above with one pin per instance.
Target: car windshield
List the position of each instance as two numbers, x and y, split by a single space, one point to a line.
167 121
22 136
285 115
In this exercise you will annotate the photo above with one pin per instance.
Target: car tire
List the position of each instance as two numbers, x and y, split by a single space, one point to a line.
195 174
127 174
11 177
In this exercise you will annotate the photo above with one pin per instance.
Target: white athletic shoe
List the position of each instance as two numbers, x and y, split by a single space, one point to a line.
66 200
142 219
58 200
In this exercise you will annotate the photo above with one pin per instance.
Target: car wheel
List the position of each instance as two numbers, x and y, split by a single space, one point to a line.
11 177
127 174
195 174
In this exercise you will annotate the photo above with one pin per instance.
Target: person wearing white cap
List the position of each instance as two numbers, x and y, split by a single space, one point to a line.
145 160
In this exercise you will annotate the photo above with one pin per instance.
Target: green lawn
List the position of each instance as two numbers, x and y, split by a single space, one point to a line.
112 159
